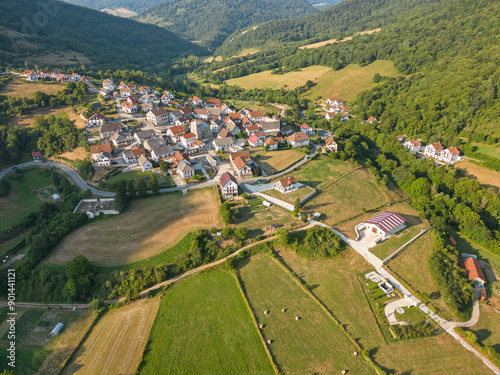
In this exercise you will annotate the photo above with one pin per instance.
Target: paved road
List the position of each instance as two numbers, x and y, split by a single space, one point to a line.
70 172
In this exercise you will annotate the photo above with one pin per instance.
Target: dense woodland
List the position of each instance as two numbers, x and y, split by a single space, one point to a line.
210 22
108 41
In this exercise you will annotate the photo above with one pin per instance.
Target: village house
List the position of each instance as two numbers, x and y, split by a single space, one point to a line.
32 76
144 135
95 150
96 119
241 167
401 138
134 99
473 270
85 80
228 185
271 126
433 150
334 102
186 111
224 133
252 129
157 117
234 117
188 139
215 126
232 127
182 121
103 159
175 132
330 115
120 139
129 108
108 85
62 78
287 129
125 92
200 129
147 107
255 141
106 94
385 224
133 155
201 114
148 98
212 102
75 77
271 144
196 101
255 115
331 145
371 120
306 129
145 164
43 74
197 146
298 139
185 171
36 155
222 144
450 155
107 130
144 90
413 146
286 184
261 135
161 152
123 85
151 143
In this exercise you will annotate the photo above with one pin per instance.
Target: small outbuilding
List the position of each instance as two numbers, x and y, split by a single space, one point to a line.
56 197
57 329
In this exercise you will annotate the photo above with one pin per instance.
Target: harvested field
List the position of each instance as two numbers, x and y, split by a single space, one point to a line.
485 176
204 327
332 41
116 344
147 228
312 344
20 89
276 161
27 120
78 153
442 354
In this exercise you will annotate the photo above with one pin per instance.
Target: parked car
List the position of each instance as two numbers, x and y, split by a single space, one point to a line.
114 163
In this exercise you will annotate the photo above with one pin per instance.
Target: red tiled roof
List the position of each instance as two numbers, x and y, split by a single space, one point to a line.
36 154
297 137
287 181
473 269
226 177
253 138
387 221
95 149
453 151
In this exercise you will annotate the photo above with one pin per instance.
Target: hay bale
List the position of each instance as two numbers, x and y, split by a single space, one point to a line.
266 312
297 318
283 310
344 372
261 326
269 342
355 354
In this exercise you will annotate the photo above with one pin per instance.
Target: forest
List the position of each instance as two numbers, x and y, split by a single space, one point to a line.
108 41
211 22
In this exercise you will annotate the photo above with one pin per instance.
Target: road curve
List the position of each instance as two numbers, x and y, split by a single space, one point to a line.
70 172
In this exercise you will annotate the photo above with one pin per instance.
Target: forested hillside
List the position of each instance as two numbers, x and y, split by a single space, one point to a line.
449 50
133 5
211 21
107 40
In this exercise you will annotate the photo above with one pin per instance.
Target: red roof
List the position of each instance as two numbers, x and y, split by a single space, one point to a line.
253 138
454 151
287 181
226 177
188 136
473 269
305 126
36 154
453 242
387 221
95 149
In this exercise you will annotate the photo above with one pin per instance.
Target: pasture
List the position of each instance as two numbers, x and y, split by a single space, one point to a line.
442 354
116 344
292 196
22 198
19 89
332 41
313 344
276 161
147 228
488 328
485 176
204 326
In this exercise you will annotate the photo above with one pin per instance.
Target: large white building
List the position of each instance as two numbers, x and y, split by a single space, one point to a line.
385 224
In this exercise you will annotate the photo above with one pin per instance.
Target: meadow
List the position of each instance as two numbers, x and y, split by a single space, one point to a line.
332 41
147 228
27 119
389 246
485 176
19 89
21 199
276 161
312 344
487 329
292 196
336 284
116 344
204 326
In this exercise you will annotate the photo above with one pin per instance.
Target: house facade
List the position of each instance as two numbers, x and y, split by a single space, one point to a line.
286 184
385 224
228 185
145 164
298 139
158 117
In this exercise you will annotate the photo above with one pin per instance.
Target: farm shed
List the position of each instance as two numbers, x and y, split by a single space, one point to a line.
57 329
385 224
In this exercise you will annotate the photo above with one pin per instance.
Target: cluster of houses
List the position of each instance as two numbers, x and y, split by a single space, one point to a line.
434 150
337 107
36 75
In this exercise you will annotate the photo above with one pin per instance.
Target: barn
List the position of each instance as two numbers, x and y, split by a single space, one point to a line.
385 224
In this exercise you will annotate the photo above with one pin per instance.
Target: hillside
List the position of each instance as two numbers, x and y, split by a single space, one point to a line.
108 41
210 22
133 5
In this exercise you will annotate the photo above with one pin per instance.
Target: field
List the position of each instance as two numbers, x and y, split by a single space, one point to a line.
115 345
346 83
27 120
204 327
21 199
313 344
487 150
147 228
254 216
332 41
389 246
265 107
341 199
488 328
290 80
290 197
120 12
163 180
59 58
276 161
485 176
19 89
78 153
335 283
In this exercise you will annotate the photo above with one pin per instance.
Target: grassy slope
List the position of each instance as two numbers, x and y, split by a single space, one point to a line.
147 228
20 200
276 161
313 344
115 345
204 326
335 283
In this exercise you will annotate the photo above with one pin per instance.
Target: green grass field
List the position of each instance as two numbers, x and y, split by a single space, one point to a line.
488 328
276 161
204 326
313 344
487 150
346 83
164 181
291 196
397 240
21 200
336 284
